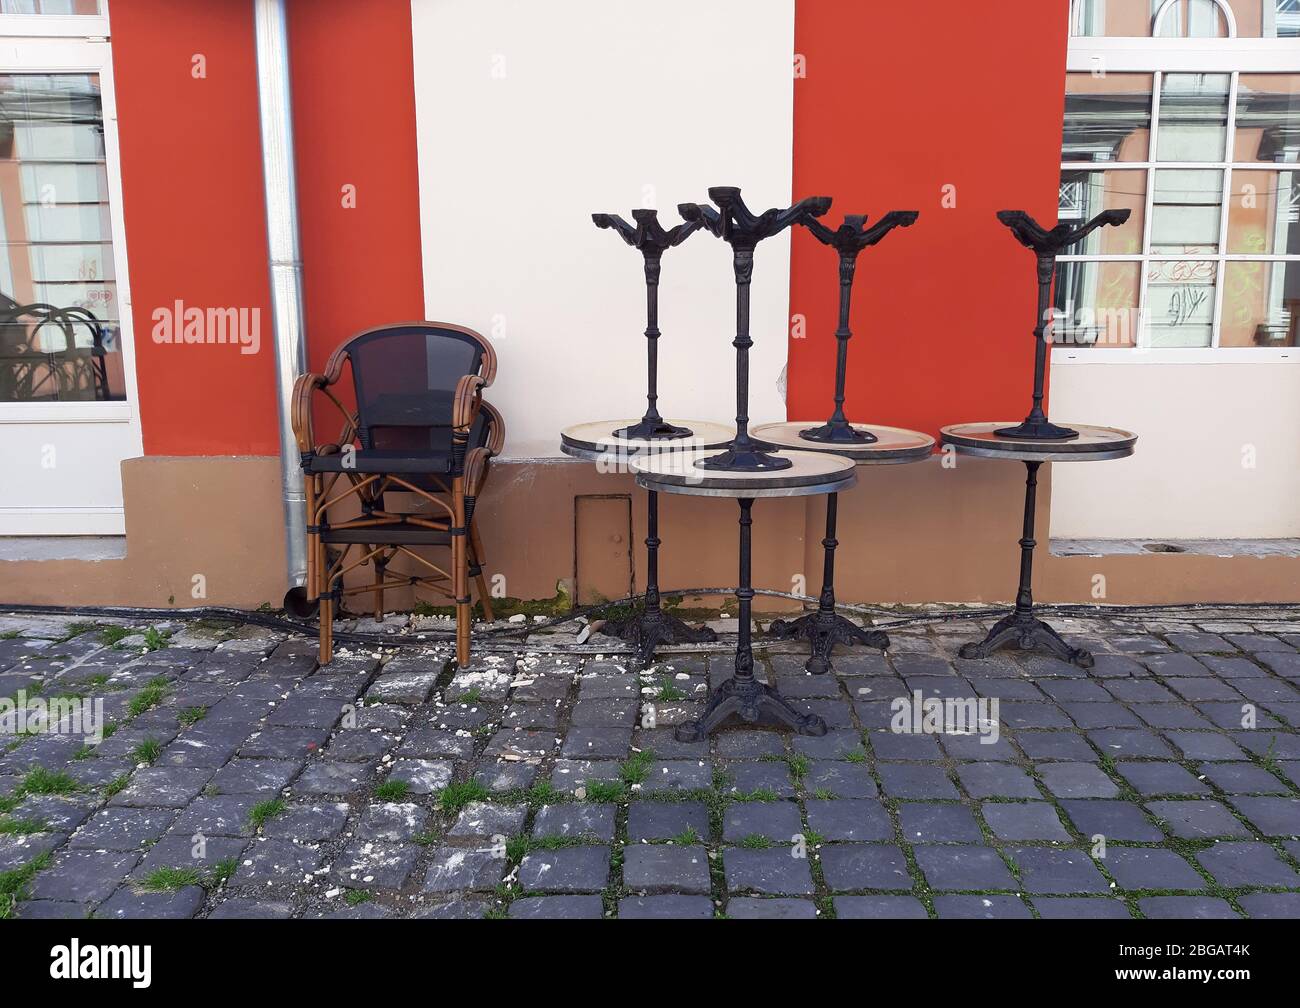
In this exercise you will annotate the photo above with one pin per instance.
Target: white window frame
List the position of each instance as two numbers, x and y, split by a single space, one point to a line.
83 26
1158 56
61 53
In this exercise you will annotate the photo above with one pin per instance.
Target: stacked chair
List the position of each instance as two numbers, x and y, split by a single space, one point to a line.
420 427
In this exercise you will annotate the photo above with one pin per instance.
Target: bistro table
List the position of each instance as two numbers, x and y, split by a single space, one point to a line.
806 474
824 628
605 443
1020 628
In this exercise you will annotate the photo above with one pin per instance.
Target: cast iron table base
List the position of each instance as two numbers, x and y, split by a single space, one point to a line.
647 629
742 695
742 229
808 474
849 239
1046 246
825 628
1020 629
649 237
650 626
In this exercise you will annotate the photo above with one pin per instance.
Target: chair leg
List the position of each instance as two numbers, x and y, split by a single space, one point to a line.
381 567
476 560
317 566
460 575
326 628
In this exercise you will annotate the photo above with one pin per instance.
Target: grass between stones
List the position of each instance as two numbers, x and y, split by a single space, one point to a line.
174 879
263 811
14 883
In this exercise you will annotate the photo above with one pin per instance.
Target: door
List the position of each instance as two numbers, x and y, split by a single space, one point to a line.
68 413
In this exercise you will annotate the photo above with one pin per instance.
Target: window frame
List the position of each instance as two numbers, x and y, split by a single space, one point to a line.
1160 56
54 53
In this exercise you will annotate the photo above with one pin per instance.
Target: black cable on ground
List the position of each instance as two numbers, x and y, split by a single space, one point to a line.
882 617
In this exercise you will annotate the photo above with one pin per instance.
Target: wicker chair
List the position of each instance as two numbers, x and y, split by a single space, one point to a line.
420 427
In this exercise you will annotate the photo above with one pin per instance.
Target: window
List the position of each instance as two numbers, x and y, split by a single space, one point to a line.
1197 132
1185 18
68 394
60 329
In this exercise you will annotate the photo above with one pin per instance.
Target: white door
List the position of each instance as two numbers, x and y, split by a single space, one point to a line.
68 413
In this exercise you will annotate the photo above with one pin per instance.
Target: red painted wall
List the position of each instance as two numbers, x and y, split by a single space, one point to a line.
192 180
354 122
899 101
195 230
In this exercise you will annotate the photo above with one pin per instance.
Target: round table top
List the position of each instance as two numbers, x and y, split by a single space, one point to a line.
811 473
894 445
594 441
1093 444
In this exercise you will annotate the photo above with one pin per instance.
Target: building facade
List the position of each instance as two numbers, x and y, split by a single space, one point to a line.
449 155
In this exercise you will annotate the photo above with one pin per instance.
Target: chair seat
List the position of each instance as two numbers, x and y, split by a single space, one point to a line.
377 460
388 535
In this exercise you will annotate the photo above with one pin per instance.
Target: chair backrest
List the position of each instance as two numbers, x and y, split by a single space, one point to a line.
405 376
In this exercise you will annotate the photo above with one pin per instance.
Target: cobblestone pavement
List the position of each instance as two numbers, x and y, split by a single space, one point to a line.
240 780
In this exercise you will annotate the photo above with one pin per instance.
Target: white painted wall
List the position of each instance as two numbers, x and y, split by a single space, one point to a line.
1196 424
532 116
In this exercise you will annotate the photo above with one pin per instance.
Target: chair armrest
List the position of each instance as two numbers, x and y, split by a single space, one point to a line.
477 464
497 436
300 414
469 392
301 411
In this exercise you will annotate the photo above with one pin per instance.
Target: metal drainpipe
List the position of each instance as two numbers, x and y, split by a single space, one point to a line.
275 104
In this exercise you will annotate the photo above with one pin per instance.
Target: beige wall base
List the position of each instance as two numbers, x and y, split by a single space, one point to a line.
908 534
217 518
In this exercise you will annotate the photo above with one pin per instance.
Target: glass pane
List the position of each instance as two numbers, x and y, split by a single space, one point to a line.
1193 19
1268 118
1096 304
1180 303
1264 212
1186 211
1193 117
1131 18
1286 18
1186 18
59 329
1084 194
49 7
1107 117
1260 304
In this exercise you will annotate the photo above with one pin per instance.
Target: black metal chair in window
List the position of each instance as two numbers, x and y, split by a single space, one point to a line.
41 359
420 428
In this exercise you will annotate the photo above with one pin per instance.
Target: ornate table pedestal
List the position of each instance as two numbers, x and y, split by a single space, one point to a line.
602 443
809 473
1020 628
824 627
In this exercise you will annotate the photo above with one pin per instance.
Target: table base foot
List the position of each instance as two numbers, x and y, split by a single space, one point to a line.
1037 430
825 630
653 429
1025 632
646 633
751 702
754 459
838 432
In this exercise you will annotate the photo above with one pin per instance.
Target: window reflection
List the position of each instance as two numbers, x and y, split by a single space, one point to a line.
59 327
1193 117
1186 18
1260 304
1107 117
1268 118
